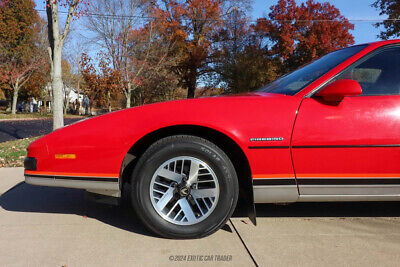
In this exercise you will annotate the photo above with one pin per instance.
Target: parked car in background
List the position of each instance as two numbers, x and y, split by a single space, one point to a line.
329 131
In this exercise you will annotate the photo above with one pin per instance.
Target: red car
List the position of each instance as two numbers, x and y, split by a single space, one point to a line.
329 131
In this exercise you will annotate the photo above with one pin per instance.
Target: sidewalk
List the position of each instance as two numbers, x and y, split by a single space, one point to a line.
9 177
43 226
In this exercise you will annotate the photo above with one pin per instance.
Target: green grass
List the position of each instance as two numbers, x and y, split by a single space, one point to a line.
13 153
9 116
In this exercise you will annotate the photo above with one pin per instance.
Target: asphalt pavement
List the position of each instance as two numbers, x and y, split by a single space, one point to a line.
19 129
43 226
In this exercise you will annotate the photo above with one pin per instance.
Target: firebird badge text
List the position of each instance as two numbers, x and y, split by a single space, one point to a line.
267 139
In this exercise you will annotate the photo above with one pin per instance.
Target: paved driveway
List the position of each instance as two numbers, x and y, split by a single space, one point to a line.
42 226
18 129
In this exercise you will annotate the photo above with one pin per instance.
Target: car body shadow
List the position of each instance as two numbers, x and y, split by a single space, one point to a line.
40 199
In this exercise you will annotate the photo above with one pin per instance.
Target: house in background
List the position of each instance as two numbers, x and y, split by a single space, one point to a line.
73 101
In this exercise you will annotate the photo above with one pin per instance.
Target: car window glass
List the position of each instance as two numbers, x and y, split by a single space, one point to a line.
294 82
378 74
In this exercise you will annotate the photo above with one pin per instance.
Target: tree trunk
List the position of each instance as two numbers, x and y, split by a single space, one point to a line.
65 100
57 86
191 89
65 107
56 41
128 95
14 101
191 82
128 99
109 101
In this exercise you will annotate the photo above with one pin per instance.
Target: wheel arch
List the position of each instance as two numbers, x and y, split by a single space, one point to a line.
226 143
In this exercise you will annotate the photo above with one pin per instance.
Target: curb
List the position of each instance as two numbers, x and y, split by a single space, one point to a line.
27 119
37 119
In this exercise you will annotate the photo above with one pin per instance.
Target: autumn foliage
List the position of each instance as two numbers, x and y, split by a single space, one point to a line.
190 25
101 84
20 54
149 55
302 33
80 7
162 50
240 62
390 8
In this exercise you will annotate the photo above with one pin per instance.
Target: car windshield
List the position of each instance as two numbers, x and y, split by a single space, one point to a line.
294 82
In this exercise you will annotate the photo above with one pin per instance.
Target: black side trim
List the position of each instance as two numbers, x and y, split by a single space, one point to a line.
94 179
327 181
346 146
350 181
268 147
271 181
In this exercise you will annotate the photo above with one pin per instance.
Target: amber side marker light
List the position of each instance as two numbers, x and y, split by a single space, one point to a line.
65 156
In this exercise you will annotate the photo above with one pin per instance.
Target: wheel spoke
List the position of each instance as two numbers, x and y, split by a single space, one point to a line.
172 209
202 193
208 207
187 209
194 172
161 184
165 199
179 212
198 206
206 181
168 195
170 175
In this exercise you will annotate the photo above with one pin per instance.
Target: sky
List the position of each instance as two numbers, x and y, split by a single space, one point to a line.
364 32
354 10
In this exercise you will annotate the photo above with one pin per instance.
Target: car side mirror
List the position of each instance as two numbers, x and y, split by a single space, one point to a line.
339 89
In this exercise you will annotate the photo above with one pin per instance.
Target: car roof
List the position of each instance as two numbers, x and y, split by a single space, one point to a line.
382 43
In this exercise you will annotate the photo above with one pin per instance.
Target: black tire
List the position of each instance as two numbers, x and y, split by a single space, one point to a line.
176 146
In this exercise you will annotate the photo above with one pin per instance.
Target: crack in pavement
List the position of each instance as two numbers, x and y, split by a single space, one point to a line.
244 244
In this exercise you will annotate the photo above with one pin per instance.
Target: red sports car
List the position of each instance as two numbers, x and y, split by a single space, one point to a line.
329 131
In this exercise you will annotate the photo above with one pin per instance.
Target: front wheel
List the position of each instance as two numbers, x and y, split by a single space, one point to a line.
184 187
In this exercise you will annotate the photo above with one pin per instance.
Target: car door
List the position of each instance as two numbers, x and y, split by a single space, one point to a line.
351 149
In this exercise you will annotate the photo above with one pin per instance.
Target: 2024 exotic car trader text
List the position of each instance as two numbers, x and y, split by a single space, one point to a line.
329 131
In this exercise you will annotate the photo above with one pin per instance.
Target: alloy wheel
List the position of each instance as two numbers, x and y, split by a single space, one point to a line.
184 190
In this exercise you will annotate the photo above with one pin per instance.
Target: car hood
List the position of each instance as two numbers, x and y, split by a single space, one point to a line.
216 112
181 108
240 117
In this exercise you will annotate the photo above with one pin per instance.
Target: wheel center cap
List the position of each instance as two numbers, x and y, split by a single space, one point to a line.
184 191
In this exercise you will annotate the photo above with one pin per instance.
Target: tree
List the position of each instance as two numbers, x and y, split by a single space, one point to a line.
301 33
20 55
112 34
391 8
56 42
241 63
191 25
73 56
68 82
102 84
149 64
36 84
